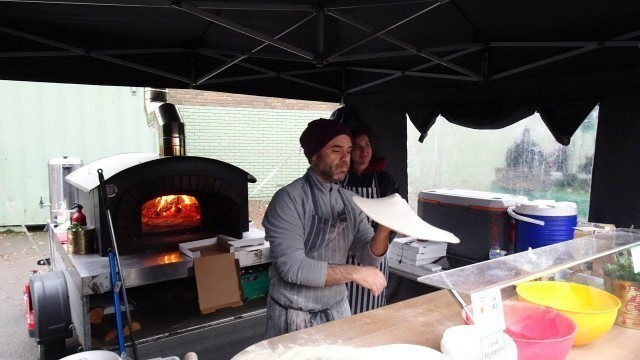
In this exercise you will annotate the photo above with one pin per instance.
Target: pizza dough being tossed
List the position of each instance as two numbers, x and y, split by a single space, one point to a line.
395 213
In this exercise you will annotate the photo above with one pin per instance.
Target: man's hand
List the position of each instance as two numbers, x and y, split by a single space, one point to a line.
366 276
371 278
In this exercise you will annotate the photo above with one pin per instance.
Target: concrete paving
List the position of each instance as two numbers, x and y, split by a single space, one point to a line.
18 257
19 254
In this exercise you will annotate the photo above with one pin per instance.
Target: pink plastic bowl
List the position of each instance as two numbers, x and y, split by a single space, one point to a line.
539 332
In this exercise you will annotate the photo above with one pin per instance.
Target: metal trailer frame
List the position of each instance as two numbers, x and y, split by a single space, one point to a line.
224 332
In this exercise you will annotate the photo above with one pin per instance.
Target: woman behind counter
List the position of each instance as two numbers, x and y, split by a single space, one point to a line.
367 178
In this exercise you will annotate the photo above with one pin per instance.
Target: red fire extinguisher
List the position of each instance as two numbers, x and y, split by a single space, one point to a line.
78 216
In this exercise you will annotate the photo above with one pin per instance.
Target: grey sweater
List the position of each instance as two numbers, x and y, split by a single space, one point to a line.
286 222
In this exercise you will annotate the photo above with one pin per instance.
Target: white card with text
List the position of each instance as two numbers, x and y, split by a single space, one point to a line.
487 309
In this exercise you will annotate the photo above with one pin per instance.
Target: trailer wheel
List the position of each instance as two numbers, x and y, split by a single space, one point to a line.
51 350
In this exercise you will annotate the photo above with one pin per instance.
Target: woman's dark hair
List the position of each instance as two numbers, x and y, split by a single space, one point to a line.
360 130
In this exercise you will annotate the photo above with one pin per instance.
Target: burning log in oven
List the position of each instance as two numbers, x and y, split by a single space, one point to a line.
170 212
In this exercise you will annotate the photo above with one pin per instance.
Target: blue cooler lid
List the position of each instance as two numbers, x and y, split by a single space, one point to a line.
471 198
546 208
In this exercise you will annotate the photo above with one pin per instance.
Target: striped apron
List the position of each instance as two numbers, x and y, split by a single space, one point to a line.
361 299
292 307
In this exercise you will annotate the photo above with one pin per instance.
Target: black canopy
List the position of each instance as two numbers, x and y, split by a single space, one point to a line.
481 64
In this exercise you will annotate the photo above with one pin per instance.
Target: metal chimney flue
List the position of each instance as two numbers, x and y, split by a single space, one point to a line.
171 134
165 118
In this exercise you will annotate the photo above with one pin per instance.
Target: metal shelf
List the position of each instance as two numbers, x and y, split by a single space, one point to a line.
532 264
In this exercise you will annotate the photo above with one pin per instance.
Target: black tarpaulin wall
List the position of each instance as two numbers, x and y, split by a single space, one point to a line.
562 102
615 188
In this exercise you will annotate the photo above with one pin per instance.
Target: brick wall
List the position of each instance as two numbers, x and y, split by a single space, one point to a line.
219 99
260 135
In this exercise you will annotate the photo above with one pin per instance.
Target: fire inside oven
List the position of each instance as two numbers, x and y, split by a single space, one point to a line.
170 213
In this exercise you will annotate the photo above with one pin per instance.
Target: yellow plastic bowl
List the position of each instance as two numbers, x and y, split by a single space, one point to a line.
593 310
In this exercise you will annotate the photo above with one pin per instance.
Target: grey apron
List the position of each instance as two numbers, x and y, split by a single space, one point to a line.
292 307
361 299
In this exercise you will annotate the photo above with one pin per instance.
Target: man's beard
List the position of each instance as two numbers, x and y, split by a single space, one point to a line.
330 176
328 172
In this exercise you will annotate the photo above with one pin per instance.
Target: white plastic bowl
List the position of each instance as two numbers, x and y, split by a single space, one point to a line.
93 355
462 342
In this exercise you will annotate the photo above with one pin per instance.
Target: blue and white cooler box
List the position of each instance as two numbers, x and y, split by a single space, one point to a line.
540 223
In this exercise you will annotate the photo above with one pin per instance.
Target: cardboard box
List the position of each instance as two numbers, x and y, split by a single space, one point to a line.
193 249
246 255
233 244
411 244
584 229
407 260
405 254
416 252
254 255
217 279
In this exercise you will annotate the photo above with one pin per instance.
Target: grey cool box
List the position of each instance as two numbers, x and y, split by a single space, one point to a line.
477 218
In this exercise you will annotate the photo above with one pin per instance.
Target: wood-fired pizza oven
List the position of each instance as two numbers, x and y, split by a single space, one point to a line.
161 201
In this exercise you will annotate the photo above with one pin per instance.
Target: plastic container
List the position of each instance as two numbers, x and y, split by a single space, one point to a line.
255 282
538 332
478 218
540 223
464 343
629 294
593 310
93 355
81 240
494 251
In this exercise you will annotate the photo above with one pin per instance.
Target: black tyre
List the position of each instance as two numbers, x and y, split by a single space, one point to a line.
52 350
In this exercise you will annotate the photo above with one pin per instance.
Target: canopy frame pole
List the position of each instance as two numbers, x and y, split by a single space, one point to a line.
562 56
270 75
194 10
377 33
410 73
276 74
244 56
395 3
97 55
420 67
320 38
400 43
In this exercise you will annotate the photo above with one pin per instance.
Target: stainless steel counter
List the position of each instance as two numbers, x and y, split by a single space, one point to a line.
137 269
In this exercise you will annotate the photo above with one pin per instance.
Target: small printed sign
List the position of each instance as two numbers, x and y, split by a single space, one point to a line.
487 310
635 254
488 313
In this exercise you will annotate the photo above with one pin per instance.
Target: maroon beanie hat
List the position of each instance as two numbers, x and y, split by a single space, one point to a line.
318 133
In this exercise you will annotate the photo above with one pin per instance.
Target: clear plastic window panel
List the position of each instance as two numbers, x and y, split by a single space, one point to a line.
535 263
